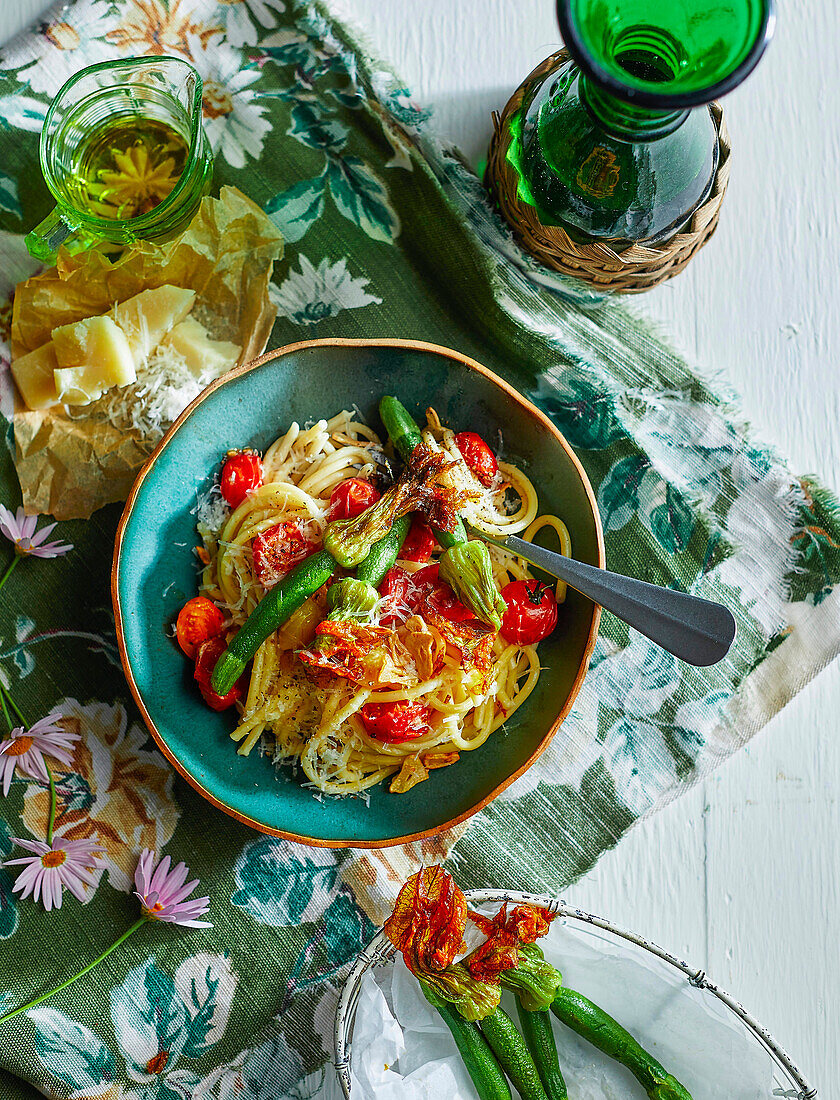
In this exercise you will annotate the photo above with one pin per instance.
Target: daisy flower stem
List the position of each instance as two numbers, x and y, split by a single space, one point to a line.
8 572
51 822
5 709
80 974
15 708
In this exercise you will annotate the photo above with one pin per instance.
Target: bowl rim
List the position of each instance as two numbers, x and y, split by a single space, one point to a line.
380 949
240 371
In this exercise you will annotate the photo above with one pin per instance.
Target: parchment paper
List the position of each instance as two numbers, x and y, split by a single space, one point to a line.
69 467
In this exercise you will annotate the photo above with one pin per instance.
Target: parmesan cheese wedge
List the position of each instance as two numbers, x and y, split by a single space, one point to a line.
33 374
148 316
93 355
202 355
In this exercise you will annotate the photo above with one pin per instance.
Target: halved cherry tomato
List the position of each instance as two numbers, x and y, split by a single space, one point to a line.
198 620
429 574
241 474
394 723
351 498
437 595
419 542
478 457
277 550
207 654
531 612
397 585
443 600
420 592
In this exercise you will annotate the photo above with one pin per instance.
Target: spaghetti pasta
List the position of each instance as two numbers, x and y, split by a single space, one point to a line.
317 720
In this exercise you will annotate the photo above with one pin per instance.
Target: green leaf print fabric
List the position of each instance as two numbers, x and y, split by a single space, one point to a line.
388 234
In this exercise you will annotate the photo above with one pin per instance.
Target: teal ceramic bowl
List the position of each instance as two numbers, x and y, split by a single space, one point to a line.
154 574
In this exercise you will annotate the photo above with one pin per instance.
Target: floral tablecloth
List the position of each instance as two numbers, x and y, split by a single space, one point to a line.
388 234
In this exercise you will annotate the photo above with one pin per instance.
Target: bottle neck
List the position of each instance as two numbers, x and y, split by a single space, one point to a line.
628 121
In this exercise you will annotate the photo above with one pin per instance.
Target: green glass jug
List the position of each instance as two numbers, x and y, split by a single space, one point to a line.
608 145
125 155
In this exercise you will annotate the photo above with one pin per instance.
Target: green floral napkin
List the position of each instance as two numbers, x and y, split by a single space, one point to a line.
389 234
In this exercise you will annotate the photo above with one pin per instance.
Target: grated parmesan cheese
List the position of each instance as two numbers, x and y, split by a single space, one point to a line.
211 510
151 404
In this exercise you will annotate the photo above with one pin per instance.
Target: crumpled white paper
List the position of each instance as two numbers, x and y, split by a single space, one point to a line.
402 1051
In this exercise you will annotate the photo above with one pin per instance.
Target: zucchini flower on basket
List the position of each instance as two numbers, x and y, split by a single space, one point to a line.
427 925
510 955
534 981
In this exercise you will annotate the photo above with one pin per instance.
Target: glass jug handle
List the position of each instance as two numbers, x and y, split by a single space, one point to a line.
44 241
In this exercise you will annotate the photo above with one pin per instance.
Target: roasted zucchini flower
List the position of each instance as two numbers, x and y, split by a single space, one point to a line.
418 489
532 979
467 569
350 598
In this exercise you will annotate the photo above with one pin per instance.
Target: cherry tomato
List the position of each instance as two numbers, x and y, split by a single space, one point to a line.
351 498
198 620
397 585
206 656
444 601
437 595
429 574
419 542
419 592
277 550
241 474
531 612
394 723
478 457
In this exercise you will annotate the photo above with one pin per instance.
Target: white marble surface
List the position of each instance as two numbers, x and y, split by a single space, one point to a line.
742 874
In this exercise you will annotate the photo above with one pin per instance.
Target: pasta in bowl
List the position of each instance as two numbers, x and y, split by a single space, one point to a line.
403 687
419 672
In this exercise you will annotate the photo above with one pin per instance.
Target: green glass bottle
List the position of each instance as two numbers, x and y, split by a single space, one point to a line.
609 145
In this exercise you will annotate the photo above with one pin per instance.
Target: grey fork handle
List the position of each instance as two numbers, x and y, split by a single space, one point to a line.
695 630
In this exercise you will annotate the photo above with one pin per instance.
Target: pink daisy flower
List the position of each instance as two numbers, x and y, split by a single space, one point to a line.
19 528
163 892
25 750
53 866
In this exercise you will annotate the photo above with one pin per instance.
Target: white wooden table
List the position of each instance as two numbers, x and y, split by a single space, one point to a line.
742 875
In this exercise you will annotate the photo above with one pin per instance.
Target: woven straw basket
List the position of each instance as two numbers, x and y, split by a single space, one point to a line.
380 950
637 268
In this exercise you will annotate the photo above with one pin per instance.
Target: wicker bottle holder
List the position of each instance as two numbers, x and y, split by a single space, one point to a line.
637 268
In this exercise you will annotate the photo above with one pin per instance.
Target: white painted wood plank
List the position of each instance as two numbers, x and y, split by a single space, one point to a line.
654 881
773 883
17 14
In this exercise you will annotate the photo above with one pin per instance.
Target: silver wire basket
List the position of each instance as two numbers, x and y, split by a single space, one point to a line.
790 1081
